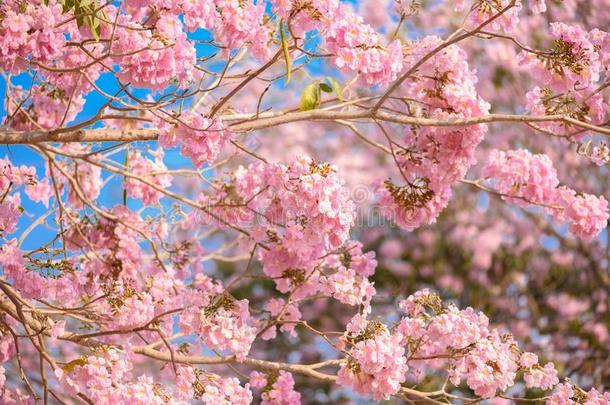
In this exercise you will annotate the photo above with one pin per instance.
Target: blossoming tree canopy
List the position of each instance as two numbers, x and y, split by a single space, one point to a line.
304 201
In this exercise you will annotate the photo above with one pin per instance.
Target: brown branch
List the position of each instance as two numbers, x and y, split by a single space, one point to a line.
110 135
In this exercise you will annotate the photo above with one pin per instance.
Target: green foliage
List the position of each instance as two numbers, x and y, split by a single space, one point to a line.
86 13
311 96
286 52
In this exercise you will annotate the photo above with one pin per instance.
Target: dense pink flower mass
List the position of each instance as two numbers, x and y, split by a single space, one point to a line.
278 388
434 158
355 45
304 201
200 139
378 366
302 214
142 166
524 178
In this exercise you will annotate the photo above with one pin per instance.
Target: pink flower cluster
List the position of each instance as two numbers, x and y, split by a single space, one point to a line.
301 213
536 376
580 105
11 178
442 337
30 283
572 63
433 158
601 39
240 23
201 139
278 388
105 379
222 323
48 107
87 176
288 315
152 57
354 44
482 11
234 23
349 284
531 179
224 390
377 364
143 167
567 394
29 32
9 213
119 257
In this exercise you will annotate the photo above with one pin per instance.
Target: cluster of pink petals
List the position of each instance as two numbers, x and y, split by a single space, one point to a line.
278 389
107 379
225 390
201 139
567 394
143 167
152 57
349 284
586 214
484 11
440 156
537 6
555 73
48 107
531 179
242 23
88 176
229 328
462 342
114 241
300 211
315 216
290 315
9 213
29 33
488 367
575 102
355 45
30 283
601 39
73 82
234 23
541 377
378 365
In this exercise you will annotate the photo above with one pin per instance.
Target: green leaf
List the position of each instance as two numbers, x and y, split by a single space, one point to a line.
286 52
71 365
94 25
326 88
336 86
126 164
310 98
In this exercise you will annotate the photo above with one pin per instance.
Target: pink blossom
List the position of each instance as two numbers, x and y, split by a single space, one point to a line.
228 327
142 167
200 139
282 391
528 359
573 62
541 377
378 366
525 179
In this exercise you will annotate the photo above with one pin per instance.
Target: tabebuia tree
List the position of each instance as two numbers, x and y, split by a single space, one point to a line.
304 201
